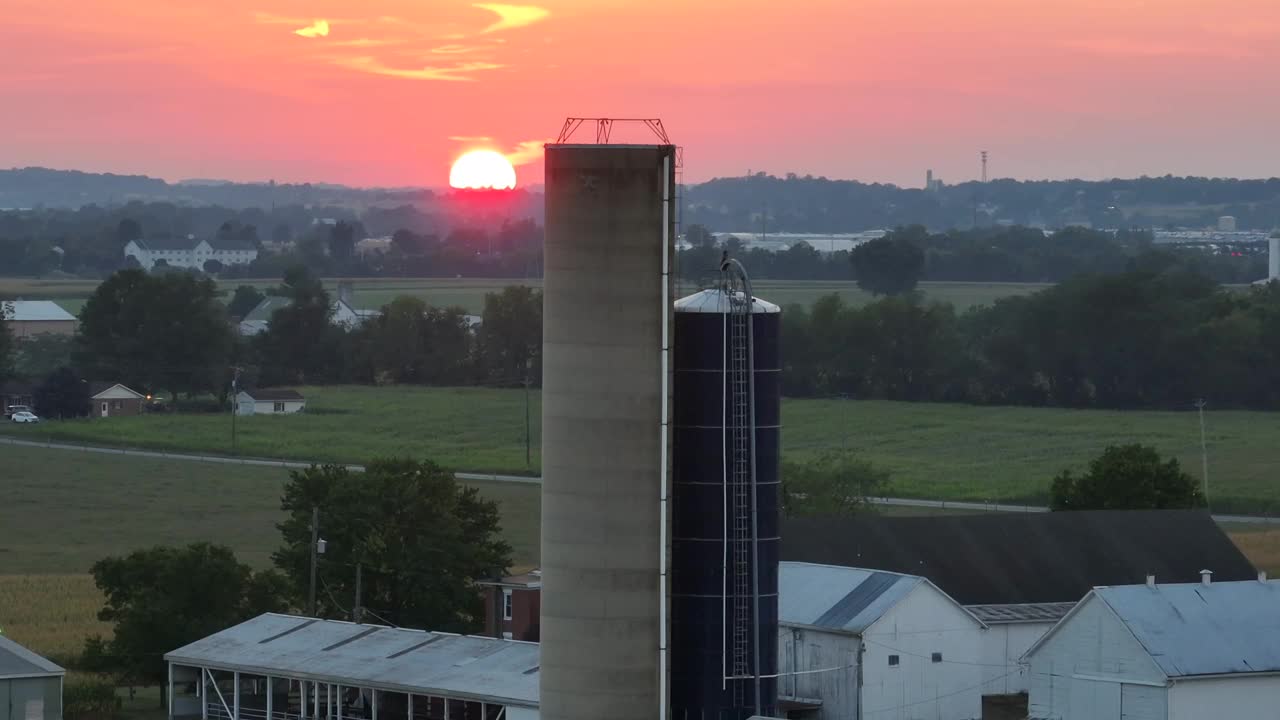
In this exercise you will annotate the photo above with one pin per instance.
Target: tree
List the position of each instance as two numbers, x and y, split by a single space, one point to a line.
212 266
412 342
6 339
301 342
833 484
128 229
39 355
699 236
166 597
165 331
421 538
890 265
245 299
62 395
510 342
342 240
1127 477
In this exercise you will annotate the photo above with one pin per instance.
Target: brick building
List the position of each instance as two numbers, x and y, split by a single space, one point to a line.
512 606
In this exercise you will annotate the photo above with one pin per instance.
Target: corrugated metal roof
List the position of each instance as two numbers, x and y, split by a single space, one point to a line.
17 662
36 311
458 666
1020 613
1194 629
717 301
839 598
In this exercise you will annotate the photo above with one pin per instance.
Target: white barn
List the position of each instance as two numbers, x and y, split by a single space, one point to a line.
1162 652
269 402
189 252
859 644
1011 631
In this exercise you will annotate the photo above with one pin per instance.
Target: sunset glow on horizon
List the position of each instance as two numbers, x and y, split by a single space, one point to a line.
376 93
482 170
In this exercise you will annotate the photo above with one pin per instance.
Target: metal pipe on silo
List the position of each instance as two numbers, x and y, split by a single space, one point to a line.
606 330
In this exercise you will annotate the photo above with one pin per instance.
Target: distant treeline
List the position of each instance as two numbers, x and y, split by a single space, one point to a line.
1154 336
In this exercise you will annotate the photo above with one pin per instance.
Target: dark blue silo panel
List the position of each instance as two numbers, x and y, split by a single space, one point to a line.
699 629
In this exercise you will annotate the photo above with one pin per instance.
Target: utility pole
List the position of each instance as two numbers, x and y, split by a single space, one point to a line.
1204 450
984 167
315 546
235 405
357 611
528 434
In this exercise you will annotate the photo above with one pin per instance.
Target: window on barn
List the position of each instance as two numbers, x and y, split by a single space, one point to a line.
937 657
506 604
278 407
893 661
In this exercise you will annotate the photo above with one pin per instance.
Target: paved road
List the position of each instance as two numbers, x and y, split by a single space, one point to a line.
526 480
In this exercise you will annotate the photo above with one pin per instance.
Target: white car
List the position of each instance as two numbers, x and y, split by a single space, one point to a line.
25 417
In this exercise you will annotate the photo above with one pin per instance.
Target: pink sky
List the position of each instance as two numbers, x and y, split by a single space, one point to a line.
388 92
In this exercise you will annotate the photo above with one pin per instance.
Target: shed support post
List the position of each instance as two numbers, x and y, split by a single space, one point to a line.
410 714
374 705
235 696
271 696
170 691
203 692
446 708
302 699
337 700
315 695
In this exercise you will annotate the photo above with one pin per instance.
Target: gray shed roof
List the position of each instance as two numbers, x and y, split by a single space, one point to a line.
1020 612
838 598
35 311
1193 629
373 656
19 662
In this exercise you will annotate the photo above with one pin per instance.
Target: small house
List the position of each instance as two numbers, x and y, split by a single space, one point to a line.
856 643
30 686
269 402
1162 651
114 400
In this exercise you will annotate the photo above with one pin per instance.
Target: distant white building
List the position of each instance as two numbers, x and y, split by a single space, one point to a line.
189 252
1162 652
865 644
1227 223
269 402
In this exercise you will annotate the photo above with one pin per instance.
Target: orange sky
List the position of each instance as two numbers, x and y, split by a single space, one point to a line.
387 92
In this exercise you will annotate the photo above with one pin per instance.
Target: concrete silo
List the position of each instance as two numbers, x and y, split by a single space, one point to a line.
606 389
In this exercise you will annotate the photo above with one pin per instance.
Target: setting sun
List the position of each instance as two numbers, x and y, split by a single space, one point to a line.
482 170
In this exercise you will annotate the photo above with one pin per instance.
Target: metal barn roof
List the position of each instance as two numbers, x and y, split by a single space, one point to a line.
838 598
1194 629
37 311
19 662
373 656
1020 612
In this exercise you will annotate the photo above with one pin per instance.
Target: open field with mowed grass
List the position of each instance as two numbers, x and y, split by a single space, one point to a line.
469 293
944 451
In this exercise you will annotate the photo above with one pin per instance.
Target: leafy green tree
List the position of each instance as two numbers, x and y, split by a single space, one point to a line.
891 265
301 342
157 331
1127 477
421 538
39 355
62 395
342 240
212 266
165 597
699 236
126 230
245 299
6 340
833 484
510 338
412 342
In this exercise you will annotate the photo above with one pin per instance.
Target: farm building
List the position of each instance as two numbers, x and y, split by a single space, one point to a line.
513 606
16 394
27 318
283 667
30 686
114 400
1022 572
855 644
269 402
1162 652
345 312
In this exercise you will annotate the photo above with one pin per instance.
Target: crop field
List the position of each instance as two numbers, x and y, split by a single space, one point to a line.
945 451
51 614
469 293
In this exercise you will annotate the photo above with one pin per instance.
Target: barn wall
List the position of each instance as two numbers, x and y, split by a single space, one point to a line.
1092 644
803 650
922 623
1003 647
1242 697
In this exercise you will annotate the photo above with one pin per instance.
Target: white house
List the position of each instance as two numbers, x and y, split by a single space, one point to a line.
859 644
188 252
345 313
1162 652
269 402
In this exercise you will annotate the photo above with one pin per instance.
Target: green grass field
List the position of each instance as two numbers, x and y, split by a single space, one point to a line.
469 293
947 451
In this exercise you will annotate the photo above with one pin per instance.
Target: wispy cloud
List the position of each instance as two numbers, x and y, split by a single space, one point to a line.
512 16
319 28
458 72
454 49
527 151
471 138
365 42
